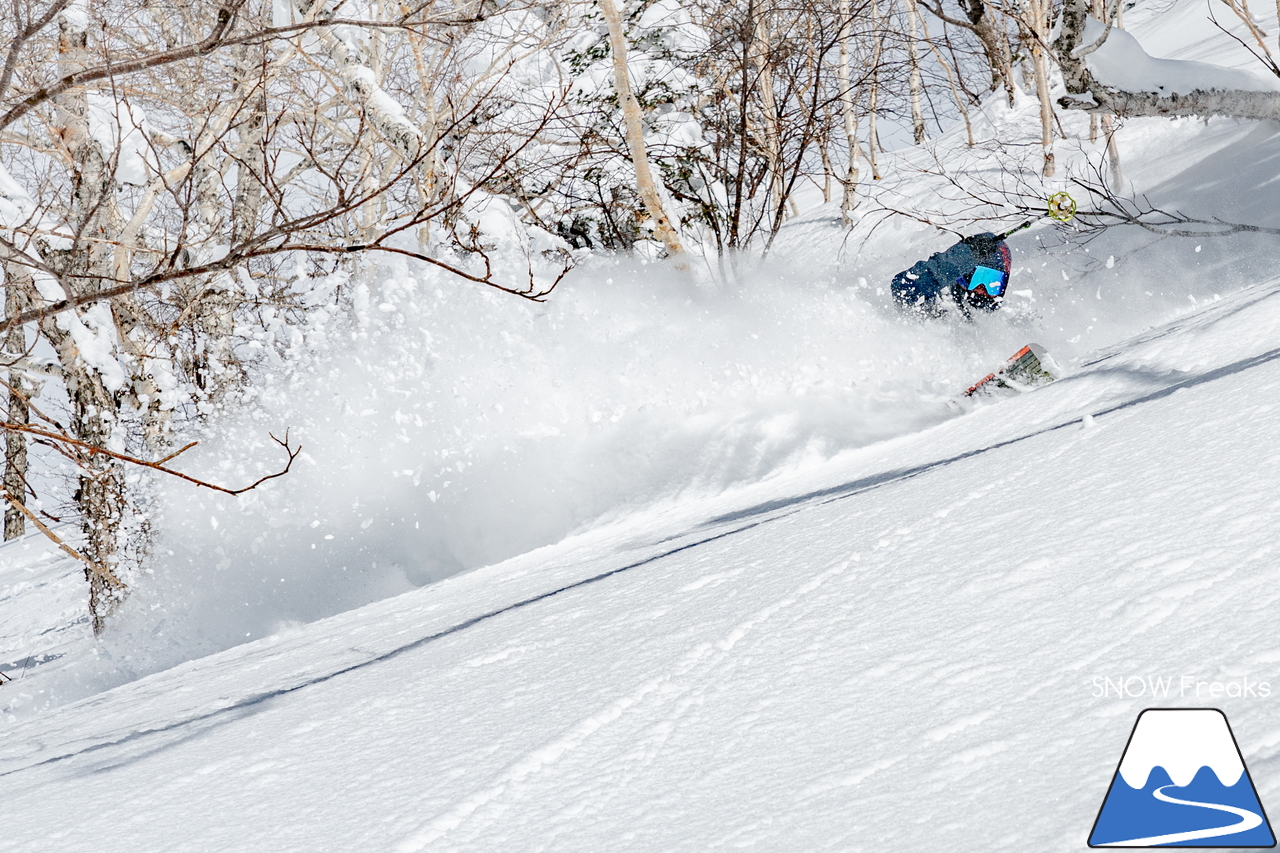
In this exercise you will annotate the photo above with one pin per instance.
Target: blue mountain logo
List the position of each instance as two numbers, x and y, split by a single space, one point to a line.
1182 783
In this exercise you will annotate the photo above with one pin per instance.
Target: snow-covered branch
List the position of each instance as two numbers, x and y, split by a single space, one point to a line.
1108 72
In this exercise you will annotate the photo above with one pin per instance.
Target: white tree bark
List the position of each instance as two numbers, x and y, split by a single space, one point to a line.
384 112
17 284
760 51
1037 12
663 226
101 493
1108 125
873 105
849 201
913 72
1113 153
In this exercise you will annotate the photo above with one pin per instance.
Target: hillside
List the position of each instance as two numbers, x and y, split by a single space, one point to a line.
912 629
667 564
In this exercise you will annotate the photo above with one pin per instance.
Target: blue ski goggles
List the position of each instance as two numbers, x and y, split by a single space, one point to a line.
985 277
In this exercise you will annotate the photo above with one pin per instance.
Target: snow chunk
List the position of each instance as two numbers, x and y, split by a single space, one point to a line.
120 128
1122 64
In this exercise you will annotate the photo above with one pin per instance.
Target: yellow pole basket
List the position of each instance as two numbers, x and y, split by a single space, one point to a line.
1062 207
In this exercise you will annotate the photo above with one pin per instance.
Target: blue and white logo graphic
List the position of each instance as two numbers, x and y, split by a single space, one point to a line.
1182 783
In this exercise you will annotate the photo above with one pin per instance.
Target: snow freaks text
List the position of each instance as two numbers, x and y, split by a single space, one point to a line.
1182 687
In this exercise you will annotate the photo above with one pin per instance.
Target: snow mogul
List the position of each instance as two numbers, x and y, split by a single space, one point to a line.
973 272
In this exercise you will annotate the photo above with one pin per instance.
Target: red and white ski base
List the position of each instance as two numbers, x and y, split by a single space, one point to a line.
1029 367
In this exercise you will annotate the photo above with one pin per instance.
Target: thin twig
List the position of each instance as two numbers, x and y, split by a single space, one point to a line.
133 460
176 453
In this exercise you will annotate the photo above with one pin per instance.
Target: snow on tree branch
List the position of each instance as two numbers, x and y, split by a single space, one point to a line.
1107 71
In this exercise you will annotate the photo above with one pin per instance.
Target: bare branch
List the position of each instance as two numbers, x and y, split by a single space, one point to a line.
93 450
215 39
106 575
15 49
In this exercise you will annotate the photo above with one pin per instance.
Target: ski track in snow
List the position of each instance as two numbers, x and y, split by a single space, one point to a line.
703 659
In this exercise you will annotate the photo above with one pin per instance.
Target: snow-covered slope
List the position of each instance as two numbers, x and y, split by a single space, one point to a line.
896 649
807 606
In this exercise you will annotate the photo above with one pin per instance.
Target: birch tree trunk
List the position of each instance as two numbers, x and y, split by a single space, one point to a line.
849 201
761 48
101 493
18 284
979 18
873 105
994 44
428 176
1113 153
1038 12
645 186
15 460
913 72
393 123
1108 128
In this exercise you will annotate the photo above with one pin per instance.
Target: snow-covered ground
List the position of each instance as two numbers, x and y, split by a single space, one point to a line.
669 564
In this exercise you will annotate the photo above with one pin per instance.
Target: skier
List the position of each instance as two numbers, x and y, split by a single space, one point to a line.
975 272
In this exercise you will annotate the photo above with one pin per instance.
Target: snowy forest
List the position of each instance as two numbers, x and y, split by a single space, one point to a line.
183 184
315 306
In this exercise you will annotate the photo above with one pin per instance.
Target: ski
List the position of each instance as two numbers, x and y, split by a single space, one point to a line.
1030 367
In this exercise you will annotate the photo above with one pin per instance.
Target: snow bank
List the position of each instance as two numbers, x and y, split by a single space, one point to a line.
1122 63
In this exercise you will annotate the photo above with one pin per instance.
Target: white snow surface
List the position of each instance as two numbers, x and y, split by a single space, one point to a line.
1181 741
1122 63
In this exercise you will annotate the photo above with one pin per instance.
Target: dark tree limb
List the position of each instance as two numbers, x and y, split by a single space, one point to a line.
90 450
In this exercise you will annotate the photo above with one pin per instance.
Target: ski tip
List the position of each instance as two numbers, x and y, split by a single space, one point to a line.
1027 368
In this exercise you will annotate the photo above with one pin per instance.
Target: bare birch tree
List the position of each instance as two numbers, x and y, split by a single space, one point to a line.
1036 23
982 18
664 226
177 165
914 86
849 117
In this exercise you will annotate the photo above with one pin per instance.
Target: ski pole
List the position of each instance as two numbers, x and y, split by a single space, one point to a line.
1006 235
1062 208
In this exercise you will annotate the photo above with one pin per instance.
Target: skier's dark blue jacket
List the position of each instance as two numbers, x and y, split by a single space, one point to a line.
951 271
